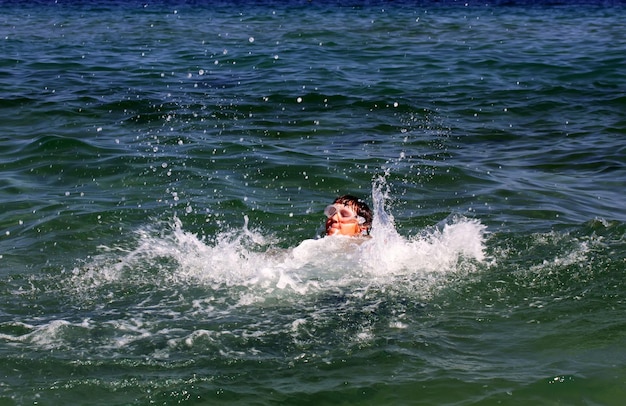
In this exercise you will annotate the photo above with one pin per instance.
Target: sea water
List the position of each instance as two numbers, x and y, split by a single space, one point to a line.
165 166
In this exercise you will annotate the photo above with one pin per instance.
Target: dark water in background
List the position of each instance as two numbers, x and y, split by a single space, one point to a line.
165 167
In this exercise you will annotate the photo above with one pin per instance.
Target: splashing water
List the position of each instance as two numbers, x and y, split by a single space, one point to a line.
247 258
173 295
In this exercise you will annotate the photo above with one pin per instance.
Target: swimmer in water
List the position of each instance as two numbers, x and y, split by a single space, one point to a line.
348 215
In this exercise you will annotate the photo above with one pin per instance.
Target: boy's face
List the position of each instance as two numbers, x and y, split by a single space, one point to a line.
342 220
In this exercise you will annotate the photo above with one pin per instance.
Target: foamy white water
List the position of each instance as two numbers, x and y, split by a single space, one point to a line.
246 258
168 291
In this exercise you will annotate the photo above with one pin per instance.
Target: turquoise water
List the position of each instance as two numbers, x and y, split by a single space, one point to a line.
165 167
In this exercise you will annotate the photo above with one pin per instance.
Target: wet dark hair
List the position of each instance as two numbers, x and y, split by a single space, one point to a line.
362 209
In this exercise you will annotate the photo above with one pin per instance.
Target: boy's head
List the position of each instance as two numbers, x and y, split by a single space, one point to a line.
348 215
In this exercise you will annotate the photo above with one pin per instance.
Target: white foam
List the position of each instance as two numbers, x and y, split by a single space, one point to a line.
244 258
243 270
128 331
49 335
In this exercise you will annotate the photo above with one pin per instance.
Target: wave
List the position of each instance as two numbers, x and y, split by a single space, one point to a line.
167 291
245 257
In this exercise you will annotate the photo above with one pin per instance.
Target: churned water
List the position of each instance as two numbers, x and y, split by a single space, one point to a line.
165 166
